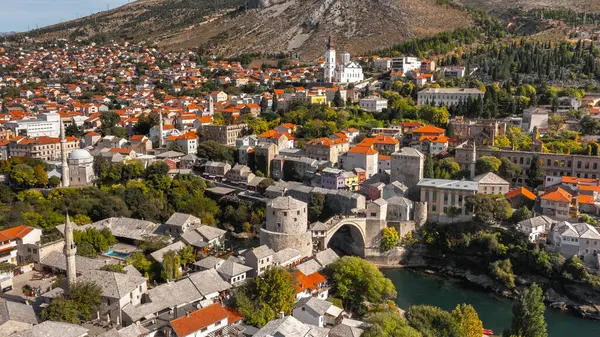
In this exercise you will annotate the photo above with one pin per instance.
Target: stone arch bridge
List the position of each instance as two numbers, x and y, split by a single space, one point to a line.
359 236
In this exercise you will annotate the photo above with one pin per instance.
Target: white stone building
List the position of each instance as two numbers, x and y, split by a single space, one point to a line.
373 104
447 96
81 168
346 71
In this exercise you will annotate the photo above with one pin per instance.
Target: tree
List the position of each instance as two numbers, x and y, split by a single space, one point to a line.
264 184
389 238
139 262
115 268
356 280
263 298
509 170
488 209
54 181
170 266
80 304
448 168
81 219
153 243
388 324
61 310
41 176
468 320
73 131
487 164
428 171
534 177
338 102
215 151
523 213
316 206
23 175
588 219
502 271
528 313
433 321
453 212
187 255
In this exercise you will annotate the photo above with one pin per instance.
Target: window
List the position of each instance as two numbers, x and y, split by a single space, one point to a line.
203 329
433 208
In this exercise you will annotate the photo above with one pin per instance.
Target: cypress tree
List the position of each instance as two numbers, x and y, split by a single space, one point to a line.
528 314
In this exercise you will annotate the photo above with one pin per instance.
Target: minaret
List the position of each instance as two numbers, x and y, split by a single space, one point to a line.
160 129
211 106
63 156
330 62
473 160
70 250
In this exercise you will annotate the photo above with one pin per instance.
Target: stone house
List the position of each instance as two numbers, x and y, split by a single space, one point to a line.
579 239
490 183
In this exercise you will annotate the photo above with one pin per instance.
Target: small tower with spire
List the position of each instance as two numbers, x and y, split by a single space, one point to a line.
70 250
160 129
211 106
330 62
473 160
63 156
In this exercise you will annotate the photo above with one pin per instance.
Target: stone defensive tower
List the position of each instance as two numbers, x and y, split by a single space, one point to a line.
287 226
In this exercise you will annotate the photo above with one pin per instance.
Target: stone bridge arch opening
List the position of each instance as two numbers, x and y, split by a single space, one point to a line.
347 239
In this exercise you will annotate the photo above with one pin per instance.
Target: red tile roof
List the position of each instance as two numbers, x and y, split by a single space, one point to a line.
428 129
304 282
521 191
15 233
363 149
199 319
559 195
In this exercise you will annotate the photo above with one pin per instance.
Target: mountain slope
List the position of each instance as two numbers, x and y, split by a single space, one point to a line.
225 28
500 5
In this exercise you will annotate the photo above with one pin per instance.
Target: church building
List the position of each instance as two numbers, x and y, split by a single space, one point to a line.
346 71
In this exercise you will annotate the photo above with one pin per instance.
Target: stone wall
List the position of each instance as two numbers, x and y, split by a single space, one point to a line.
279 241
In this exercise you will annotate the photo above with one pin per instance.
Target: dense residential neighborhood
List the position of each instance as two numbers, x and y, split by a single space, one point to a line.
147 191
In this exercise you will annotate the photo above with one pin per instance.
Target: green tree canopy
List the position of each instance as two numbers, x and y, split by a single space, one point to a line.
356 280
528 313
487 164
433 322
263 298
389 238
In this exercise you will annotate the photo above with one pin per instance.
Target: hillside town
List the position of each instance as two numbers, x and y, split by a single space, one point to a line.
173 185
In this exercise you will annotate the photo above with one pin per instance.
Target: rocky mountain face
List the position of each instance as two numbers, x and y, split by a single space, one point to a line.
303 26
230 27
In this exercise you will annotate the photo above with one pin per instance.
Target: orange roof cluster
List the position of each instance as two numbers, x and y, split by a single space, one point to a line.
559 195
521 191
272 134
310 282
434 139
363 150
429 129
15 233
586 199
385 140
324 141
199 319
576 180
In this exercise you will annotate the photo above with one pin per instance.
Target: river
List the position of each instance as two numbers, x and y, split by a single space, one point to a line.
419 288
22 15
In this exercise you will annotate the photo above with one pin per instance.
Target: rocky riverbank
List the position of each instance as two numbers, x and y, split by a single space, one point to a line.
575 298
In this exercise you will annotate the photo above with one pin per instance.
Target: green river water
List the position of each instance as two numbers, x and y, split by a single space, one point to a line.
419 288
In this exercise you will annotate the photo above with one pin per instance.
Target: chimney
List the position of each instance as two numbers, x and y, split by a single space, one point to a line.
281 314
187 314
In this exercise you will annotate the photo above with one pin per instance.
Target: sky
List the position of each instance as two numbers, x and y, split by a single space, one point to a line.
21 15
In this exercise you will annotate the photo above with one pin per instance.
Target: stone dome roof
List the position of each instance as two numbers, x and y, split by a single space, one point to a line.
286 203
79 154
